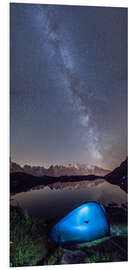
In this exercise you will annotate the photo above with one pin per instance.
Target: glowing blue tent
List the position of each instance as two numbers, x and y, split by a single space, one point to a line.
85 223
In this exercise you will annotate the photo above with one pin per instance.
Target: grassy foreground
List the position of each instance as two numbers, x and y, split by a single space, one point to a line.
30 243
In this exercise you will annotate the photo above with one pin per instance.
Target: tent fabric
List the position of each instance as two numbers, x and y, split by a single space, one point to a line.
85 223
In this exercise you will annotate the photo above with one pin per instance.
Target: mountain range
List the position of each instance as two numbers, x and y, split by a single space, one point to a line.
21 181
59 170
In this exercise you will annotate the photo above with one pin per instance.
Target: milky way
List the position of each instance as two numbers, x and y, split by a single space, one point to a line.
68 84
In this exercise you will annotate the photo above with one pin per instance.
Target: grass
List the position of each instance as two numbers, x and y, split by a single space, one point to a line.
28 243
113 249
55 257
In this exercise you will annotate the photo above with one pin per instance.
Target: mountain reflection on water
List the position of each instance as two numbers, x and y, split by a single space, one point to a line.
56 200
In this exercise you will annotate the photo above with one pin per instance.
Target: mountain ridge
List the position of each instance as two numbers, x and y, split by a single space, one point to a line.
59 170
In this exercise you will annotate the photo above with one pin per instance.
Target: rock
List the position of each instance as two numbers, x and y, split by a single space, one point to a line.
73 256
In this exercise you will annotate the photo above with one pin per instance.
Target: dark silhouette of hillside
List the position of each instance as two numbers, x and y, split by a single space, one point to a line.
119 176
20 182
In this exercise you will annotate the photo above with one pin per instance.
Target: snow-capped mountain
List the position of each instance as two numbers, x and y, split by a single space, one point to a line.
59 170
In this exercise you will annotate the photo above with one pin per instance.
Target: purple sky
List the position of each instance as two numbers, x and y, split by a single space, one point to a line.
68 79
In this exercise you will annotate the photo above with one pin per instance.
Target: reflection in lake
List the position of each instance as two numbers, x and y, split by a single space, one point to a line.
54 201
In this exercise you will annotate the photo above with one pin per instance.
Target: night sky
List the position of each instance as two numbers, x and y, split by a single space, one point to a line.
68 83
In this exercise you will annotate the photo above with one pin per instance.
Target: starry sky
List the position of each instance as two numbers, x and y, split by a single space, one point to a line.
68 84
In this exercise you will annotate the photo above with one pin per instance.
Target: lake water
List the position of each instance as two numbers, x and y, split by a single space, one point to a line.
56 200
